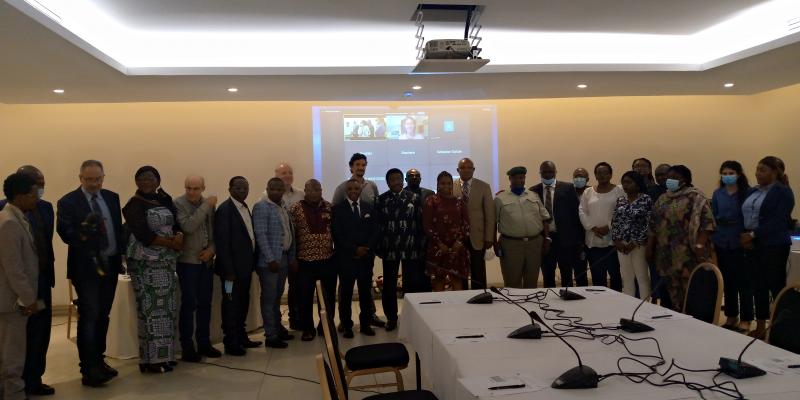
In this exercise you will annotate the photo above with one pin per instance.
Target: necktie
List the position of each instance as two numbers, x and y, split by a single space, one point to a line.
356 211
95 205
548 200
96 209
465 190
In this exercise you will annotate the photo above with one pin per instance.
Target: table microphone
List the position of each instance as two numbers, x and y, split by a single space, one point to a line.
633 326
531 331
566 294
737 368
482 298
580 377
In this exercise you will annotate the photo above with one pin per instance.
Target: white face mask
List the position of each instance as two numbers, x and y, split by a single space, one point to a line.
40 193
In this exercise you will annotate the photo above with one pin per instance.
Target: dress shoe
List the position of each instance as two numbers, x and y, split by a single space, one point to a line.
209 351
308 335
189 355
367 330
375 321
158 368
391 325
276 344
40 390
108 370
235 351
348 333
251 344
95 378
285 336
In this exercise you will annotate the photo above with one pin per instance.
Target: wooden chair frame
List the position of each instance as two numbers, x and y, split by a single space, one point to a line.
720 288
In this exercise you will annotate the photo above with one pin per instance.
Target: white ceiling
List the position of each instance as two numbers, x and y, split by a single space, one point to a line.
35 60
258 37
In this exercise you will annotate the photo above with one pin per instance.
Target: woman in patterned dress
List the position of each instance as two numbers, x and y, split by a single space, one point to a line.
152 251
446 223
680 229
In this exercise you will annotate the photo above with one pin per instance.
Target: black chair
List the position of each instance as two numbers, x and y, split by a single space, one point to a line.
332 382
703 299
784 327
362 360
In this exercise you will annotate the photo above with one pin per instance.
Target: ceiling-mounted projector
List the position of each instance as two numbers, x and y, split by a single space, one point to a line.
448 49
448 55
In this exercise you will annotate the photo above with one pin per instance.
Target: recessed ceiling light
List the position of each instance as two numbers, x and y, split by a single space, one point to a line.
583 86
233 89
416 87
728 85
58 91
407 94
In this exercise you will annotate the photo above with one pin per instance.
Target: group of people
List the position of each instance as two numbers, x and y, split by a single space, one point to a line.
646 234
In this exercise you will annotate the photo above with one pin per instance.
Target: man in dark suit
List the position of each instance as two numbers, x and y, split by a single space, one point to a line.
355 234
236 259
42 221
413 181
566 231
89 221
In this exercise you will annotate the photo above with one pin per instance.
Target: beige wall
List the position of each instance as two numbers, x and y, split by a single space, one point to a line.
222 139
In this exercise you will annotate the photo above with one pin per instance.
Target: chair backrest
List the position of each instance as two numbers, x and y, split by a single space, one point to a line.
332 349
326 380
785 320
704 294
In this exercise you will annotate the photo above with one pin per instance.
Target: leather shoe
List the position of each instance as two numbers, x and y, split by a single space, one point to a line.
285 336
189 355
375 321
209 351
276 344
251 344
108 370
367 330
391 325
348 333
235 351
308 335
95 378
41 390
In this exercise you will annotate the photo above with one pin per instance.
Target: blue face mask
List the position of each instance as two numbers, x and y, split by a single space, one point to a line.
518 191
729 179
673 185
580 182
549 182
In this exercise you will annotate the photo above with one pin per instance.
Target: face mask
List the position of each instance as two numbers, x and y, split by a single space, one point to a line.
673 185
518 191
729 179
549 182
40 193
580 182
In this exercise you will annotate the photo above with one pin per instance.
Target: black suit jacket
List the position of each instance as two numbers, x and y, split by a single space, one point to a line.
350 232
72 211
236 256
565 208
45 210
775 222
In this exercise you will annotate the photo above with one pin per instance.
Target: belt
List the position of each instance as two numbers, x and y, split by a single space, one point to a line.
524 239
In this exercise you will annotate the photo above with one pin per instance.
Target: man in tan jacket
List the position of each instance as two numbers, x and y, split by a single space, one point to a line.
19 273
482 223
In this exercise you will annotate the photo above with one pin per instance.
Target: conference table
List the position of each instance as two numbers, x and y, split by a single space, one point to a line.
122 339
458 368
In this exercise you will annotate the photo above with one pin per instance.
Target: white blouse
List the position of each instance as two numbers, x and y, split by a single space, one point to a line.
597 209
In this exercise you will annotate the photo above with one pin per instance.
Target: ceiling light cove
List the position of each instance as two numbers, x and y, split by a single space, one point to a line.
387 47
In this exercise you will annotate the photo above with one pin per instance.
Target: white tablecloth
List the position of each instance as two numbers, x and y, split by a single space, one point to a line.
122 338
430 329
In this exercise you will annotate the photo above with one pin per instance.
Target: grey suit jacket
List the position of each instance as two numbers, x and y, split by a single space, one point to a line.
19 263
482 222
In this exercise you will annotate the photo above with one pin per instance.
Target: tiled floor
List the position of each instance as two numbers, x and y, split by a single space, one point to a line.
199 381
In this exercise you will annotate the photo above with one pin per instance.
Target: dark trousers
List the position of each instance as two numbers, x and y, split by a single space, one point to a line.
414 281
604 263
738 291
767 266
293 298
358 272
234 311
309 273
563 255
95 298
477 268
581 266
38 338
197 287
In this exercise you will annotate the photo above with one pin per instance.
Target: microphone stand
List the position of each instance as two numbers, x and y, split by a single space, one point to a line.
481 298
738 369
531 331
580 377
567 295
633 326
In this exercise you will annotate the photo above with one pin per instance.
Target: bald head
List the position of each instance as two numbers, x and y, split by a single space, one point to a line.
547 170
466 169
286 173
34 173
413 178
194 185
